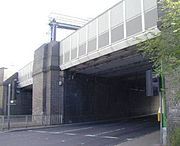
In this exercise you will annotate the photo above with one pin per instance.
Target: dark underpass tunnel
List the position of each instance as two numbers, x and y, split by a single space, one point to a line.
92 98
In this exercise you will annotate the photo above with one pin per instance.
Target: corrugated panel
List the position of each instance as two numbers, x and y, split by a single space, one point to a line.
92 45
133 8
66 57
151 18
74 41
74 45
134 26
61 52
82 49
103 40
117 16
25 75
117 34
149 4
103 30
66 50
74 53
82 41
82 35
103 23
92 30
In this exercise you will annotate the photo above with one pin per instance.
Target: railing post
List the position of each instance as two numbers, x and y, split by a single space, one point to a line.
2 126
42 120
61 119
45 119
26 121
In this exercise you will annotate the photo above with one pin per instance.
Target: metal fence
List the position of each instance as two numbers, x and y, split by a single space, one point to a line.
27 121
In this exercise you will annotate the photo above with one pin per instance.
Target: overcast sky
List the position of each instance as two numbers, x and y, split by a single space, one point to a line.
24 25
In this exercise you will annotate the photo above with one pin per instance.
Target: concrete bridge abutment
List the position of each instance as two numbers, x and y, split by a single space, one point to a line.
47 99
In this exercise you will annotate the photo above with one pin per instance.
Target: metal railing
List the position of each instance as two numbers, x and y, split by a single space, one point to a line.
125 20
27 121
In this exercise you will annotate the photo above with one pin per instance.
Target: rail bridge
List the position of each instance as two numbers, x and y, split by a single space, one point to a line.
96 72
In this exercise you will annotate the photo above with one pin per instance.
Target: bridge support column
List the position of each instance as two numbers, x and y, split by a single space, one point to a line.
46 88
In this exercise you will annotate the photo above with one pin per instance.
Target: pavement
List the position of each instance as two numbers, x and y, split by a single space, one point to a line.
140 130
152 139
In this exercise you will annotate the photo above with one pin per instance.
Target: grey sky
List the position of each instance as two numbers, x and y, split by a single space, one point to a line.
24 25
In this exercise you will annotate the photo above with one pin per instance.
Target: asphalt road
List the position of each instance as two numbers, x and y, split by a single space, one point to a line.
95 134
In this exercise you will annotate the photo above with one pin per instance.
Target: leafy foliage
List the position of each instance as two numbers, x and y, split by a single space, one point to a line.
175 138
164 49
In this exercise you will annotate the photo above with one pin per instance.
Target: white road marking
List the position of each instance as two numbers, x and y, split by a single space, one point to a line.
110 137
54 132
111 131
60 132
70 134
129 139
79 129
41 131
89 135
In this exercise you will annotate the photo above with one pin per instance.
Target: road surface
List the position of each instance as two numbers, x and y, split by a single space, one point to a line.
94 134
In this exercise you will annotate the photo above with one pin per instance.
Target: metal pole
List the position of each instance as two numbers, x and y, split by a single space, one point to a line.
163 106
53 30
161 131
9 98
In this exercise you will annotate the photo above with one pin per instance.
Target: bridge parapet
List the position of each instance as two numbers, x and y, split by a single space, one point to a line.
25 75
115 29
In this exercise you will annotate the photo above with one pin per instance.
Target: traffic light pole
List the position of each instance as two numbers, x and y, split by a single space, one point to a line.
9 104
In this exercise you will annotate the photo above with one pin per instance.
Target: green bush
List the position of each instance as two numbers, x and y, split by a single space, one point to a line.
175 138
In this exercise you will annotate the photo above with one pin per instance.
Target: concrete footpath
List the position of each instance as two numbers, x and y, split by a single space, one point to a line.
152 139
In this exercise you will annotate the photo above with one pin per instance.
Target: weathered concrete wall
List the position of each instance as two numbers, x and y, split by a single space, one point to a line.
93 98
46 76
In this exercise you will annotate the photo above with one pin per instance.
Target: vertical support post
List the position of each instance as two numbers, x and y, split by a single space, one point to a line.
9 108
142 15
97 35
53 30
77 45
109 23
161 132
124 19
70 48
86 39
163 107
26 121
61 119
2 128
